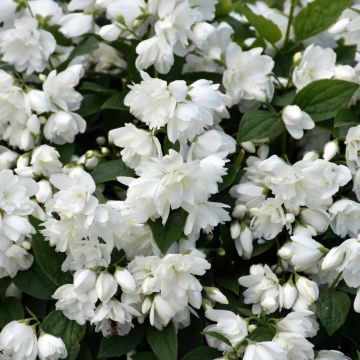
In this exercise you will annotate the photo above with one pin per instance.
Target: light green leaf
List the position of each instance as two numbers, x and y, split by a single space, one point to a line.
322 99
163 343
11 309
265 27
318 16
110 170
332 309
166 235
68 330
117 346
259 124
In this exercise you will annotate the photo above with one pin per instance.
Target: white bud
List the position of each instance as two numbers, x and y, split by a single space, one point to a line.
44 193
263 151
244 243
268 303
101 140
297 58
310 156
216 295
105 286
13 291
109 32
51 347
289 295
91 163
331 148
235 229
307 289
23 161
290 218
38 101
125 280
84 280
26 245
248 146
239 211
252 328
285 253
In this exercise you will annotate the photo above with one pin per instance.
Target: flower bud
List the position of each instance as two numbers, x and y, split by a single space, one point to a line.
105 286
84 280
44 193
244 243
239 211
268 303
125 280
311 156
263 151
285 253
51 347
38 101
248 146
13 291
297 58
290 294
331 148
216 295
252 328
235 229
307 289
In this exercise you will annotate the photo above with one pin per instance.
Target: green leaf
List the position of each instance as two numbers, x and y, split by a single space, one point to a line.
68 330
218 336
166 235
49 260
35 283
317 17
110 170
84 47
4 283
265 27
346 117
91 104
332 309
261 248
96 87
146 355
229 178
262 334
229 283
259 124
322 99
163 343
66 151
116 102
11 309
202 353
117 346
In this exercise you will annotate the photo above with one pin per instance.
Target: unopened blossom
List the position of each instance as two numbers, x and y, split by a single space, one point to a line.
296 121
268 350
51 347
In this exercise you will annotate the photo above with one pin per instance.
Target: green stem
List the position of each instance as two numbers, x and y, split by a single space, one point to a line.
288 28
336 280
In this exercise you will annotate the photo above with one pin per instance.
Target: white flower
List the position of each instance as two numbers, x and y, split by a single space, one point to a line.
352 143
151 101
84 280
316 63
331 355
138 144
307 289
76 24
38 101
246 74
125 280
262 289
26 46
7 158
297 347
7 10
296 121
232 326
45 160
62 127
18 341
244 242
300 322
345 218
59 88
288 294
306 253
106 286
268 350
268 220
51 347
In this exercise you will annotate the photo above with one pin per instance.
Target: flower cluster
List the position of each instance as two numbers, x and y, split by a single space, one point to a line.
179 179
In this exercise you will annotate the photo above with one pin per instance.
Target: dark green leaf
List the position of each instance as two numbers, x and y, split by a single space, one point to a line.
91 104
110 170
346 117
163 343
229 178
258 124
332 309
265 27
117 346
4 283
66 151
345 55
202 353
166 235
96 87
317 17
262 334
285 99
35 283
322 99
229 283
116 102
261 248
10 309
146 355
70 331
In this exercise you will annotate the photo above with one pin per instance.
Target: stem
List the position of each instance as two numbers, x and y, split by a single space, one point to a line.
288 28
336 280
33 316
